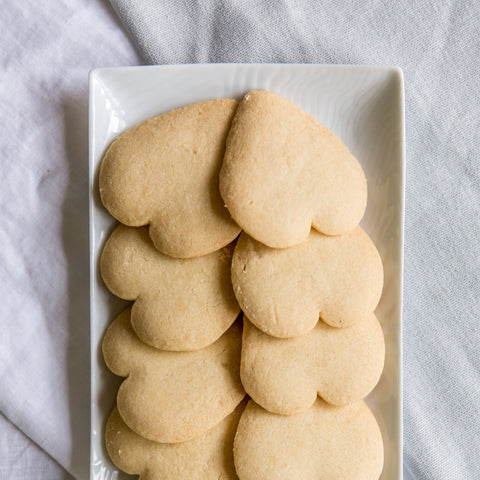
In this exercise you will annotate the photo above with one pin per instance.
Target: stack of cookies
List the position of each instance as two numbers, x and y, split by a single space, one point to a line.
184 185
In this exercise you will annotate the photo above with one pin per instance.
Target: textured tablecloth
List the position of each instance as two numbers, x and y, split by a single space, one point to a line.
46 51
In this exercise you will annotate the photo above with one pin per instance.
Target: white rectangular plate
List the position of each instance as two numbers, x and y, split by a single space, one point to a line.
363 105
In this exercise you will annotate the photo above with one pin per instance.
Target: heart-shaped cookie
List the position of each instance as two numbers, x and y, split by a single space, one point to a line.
341 365
180 304
173 397
284 172
164 172
207 456
324 442
284 292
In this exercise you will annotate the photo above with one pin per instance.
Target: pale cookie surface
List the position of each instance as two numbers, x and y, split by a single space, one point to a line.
173 396
209 456
164 172
284 172
341 365
325 442
180 304
285 292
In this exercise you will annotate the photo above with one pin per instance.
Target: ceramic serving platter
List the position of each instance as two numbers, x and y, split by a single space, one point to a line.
363 105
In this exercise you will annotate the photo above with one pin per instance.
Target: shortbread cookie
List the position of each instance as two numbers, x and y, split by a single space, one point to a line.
325 442
164 172
285 292
284 376
284 172
209 456
180 304
173 396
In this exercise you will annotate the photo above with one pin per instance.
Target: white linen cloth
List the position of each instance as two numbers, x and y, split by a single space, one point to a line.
21 459
46 50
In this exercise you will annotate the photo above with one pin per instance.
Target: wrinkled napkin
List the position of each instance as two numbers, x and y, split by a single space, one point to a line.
46 52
